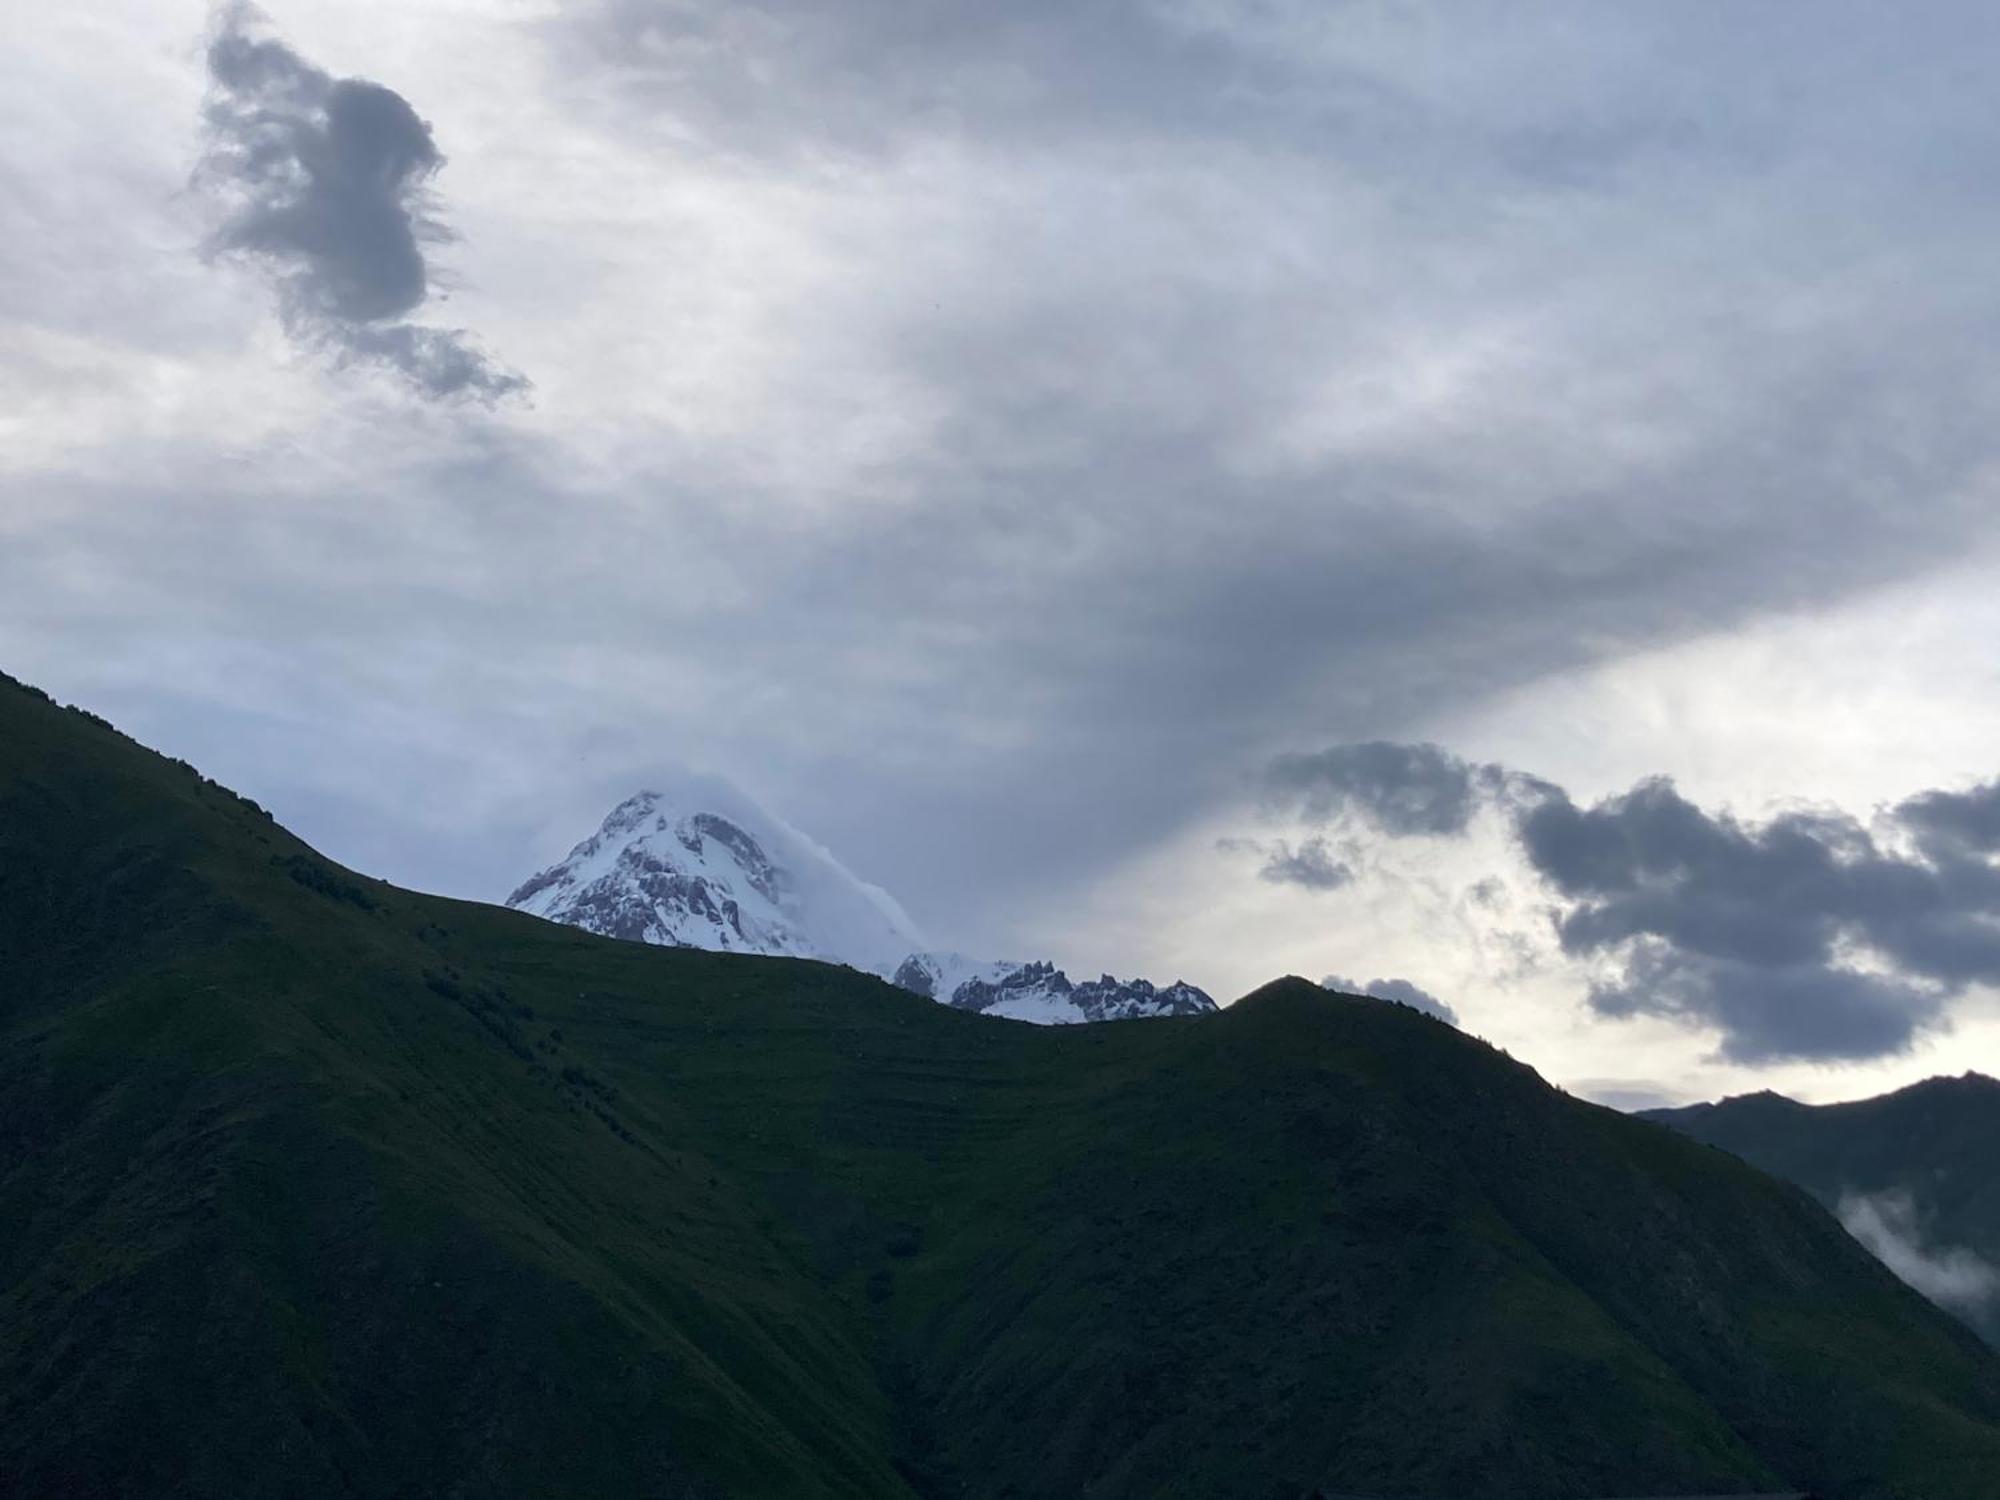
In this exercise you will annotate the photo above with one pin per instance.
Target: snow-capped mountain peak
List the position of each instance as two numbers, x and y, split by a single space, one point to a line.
704 866
1041 992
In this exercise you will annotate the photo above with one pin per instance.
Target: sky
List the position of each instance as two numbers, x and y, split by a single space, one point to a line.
1493 501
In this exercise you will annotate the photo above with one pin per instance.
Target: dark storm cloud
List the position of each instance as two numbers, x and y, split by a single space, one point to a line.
1402 789
1807 935
1311 865
1401 991
1815 1010
1787 898
326 181
1956 825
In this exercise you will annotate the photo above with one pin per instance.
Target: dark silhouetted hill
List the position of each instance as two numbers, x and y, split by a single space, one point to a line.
316 1186
1915 1172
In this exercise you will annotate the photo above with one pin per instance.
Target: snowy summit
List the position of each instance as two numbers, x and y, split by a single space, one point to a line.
703 866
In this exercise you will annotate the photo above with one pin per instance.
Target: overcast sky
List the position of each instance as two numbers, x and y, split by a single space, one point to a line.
1032 446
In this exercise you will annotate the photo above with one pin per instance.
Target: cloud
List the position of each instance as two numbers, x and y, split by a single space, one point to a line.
1955 826
325 183
1819 1010
1806 935
774 74
1400 991
1402 789
1955 1278
1799 936
1311 865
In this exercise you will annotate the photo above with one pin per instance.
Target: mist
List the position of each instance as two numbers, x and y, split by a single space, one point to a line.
1955 1278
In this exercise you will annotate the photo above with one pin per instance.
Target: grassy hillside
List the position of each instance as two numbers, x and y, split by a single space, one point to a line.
1933 1142
318 1186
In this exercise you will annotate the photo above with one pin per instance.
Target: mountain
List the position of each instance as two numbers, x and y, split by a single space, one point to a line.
1041 992
317 1186
705 867
1912 1174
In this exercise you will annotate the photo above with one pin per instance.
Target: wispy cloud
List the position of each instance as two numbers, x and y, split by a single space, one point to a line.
1951 1276
1311 864
325 184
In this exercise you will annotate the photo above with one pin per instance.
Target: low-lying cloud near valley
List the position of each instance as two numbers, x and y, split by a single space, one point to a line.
1951 1276
996 436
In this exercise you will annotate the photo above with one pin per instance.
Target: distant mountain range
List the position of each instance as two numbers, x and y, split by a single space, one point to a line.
703 866
1914 1175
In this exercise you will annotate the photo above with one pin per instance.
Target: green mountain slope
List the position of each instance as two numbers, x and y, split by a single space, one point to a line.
1932 1143
317 1186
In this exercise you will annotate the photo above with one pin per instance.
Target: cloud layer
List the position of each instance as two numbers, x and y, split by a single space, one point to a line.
1404 790
1806 935
325 182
